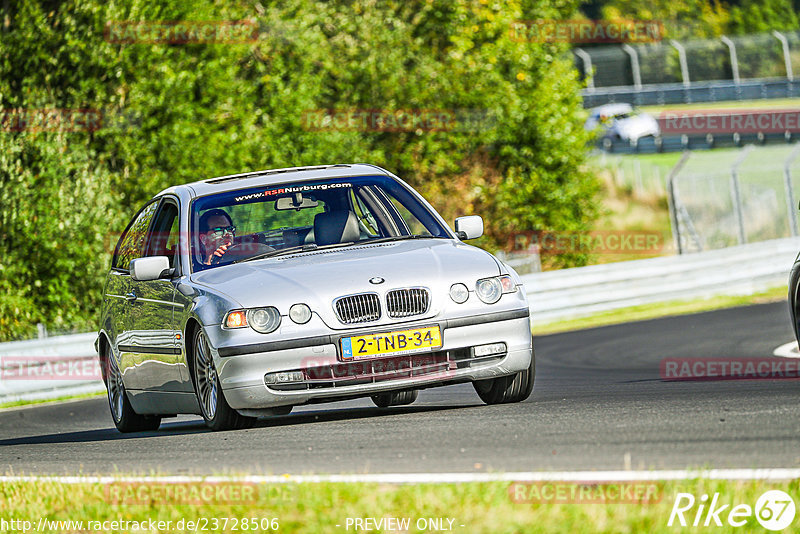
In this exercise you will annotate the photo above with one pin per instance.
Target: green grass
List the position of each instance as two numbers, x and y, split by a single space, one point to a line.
17 404
776 103
654 311
320 507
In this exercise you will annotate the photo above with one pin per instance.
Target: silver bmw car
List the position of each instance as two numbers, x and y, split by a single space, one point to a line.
243 296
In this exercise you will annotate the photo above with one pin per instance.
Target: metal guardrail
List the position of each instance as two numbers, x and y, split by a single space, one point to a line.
581 291
553 295
48 368
679 143
678 93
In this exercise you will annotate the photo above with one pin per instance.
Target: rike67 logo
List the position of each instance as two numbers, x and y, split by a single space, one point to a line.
774 510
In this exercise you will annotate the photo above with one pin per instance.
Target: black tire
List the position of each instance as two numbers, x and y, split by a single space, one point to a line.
395 398
125 418
794 279
216 412
507 389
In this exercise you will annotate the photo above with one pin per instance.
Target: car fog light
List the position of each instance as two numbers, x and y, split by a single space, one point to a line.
264 320
300 313
459 293
283 377
488 350
489 290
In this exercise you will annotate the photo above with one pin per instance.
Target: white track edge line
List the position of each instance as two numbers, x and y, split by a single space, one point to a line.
787 350
435 478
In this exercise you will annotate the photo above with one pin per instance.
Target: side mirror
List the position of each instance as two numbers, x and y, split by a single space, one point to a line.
150 268
469 227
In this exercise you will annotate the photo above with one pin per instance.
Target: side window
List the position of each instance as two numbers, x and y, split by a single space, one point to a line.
131 244
164 236
414 225
365 217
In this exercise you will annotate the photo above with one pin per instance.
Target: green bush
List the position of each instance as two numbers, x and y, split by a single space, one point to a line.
174 113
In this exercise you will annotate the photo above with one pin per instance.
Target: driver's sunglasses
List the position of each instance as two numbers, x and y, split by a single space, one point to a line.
220 231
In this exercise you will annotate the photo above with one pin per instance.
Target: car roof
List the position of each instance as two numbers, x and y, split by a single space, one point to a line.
232 182
612 109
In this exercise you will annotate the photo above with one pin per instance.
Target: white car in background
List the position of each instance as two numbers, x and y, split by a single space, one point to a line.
622 121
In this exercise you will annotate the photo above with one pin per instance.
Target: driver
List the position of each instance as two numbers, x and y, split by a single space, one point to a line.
216 234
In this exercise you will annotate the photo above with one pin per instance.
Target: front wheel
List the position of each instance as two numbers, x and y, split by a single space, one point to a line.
125 418
216 411
507 389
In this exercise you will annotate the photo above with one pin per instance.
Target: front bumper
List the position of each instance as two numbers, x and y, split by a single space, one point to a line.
241 369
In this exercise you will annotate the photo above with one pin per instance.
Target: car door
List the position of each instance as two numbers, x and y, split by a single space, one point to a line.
130 247
154 347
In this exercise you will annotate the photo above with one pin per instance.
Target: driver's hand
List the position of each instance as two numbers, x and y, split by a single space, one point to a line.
217 253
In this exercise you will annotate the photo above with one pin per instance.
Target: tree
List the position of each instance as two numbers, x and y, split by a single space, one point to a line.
179 112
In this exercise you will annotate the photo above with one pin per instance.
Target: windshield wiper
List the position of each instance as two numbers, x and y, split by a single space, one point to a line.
299 248
400 238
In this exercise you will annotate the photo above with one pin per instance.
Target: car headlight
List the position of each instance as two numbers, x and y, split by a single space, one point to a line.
264 320
459 293
490 290
300 313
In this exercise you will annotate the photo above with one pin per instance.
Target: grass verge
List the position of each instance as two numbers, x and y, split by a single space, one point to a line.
17 404
766 104
654 311
490 507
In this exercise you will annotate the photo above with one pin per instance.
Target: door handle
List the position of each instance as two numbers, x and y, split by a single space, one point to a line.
130 297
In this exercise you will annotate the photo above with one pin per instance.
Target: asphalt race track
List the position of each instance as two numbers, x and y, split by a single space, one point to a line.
599 403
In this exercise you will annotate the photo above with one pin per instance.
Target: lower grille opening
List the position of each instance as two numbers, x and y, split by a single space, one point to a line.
385 369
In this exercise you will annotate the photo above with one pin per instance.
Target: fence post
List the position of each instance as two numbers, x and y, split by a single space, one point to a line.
787 60
736 195
671 199
587 67
682 59
637 74
787 182
734 60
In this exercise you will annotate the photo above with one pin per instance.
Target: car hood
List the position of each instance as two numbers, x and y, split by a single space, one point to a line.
316 278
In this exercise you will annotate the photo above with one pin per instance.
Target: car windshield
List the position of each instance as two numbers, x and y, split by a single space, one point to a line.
299 217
